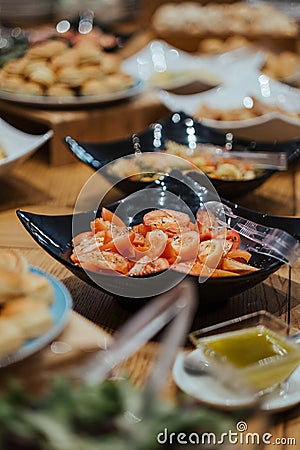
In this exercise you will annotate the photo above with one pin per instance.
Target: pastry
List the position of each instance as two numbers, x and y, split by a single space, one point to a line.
10 285
69 57
54 69
33 324
60 90
71 76
11 83
30 88
119 81
94 87
92 71
13 261
110 64
43 75
47 49
15 67
11 338
37 287
88 53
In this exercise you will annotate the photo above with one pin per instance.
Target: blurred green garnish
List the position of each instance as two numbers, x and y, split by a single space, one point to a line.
12 46
96 417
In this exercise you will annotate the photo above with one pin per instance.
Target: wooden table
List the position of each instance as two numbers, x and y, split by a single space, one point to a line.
38 187
99 123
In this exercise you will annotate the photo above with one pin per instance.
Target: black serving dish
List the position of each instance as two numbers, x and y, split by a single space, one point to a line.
177 127
54 235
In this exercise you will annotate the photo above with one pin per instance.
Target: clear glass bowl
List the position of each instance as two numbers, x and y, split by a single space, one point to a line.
253 351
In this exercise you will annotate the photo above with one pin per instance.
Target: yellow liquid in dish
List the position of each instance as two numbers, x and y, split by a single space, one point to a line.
263 358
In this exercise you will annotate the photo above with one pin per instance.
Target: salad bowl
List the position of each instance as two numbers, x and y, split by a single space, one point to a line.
55 234
181 129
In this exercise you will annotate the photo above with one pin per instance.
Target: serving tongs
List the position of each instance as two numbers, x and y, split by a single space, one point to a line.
258 159
175 308
275 242
269 241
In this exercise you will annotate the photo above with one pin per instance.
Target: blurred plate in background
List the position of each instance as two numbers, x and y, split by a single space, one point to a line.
17 146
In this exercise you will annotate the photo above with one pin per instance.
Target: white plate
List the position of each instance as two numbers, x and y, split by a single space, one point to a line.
18 145
41 101
59 310
273 126
208 389
179 67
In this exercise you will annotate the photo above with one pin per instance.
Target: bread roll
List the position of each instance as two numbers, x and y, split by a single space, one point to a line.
10 285
13 261
11 338
37 287
33 324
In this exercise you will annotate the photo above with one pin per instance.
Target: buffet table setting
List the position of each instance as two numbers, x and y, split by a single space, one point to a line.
152 151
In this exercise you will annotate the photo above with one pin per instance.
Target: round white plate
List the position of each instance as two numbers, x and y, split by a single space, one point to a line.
59 310
208 389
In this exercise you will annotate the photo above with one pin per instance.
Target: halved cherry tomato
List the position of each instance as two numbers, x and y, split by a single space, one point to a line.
108 261
189 267
122 239
106 214
233 236
210 253
223 273
146 267
138 239
239 255
205 236
166 220
236 266
156 241
82 237
164 238
141 229
186 245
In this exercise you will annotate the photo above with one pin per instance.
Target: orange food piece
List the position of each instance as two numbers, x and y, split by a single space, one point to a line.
165 239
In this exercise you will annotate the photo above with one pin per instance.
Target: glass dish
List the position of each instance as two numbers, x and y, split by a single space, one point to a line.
254 349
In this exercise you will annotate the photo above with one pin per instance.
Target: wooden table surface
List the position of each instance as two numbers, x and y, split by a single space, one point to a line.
39 187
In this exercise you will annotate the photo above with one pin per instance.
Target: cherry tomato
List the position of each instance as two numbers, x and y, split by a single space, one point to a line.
106 214
233 236
82 237
166 220
210 253
186 245
146 267
236 266
107 261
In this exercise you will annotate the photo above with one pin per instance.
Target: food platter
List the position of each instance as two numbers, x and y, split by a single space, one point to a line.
54 235
280 124
177 127
59 310
39 101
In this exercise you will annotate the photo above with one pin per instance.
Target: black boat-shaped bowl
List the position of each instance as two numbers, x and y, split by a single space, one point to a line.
178 128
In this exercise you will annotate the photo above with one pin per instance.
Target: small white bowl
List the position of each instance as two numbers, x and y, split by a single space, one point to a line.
18 146
175 66
272 126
